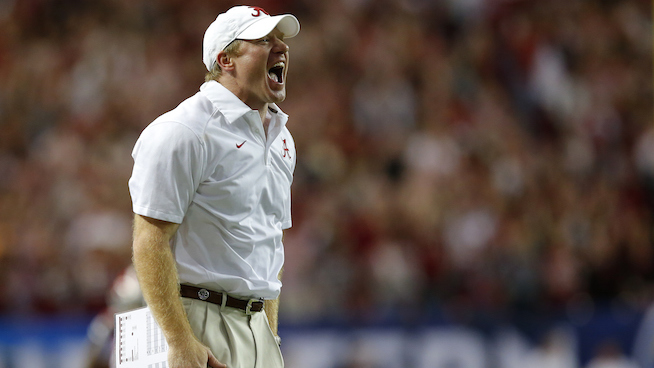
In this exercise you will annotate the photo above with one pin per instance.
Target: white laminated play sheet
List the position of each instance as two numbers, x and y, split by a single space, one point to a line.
140 343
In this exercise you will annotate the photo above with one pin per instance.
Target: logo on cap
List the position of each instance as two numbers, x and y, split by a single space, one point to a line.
258 11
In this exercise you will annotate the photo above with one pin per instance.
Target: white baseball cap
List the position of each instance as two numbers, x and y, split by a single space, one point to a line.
245 23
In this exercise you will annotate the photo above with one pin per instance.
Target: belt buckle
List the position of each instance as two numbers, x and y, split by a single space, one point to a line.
248 307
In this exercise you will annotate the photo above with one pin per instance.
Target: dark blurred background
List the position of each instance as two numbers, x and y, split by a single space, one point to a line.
474 187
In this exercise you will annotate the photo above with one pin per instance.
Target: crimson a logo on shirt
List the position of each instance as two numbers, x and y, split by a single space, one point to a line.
257 11
285 148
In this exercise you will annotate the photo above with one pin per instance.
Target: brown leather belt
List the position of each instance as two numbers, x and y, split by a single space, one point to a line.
249 306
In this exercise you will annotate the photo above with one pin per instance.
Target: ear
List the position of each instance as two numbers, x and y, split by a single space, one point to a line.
225 61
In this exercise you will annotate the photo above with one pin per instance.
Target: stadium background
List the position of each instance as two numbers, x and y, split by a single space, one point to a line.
474 185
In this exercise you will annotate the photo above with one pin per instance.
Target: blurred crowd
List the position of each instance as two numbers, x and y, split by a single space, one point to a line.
455 158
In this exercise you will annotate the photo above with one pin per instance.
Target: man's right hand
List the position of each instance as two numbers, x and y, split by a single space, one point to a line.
192 354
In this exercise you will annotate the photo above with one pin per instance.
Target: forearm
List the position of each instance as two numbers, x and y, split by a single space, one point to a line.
157 274
272 309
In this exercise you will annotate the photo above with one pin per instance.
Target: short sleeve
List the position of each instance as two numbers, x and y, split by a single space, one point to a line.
168 165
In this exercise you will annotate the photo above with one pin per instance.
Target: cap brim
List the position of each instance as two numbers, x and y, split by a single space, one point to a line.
287 24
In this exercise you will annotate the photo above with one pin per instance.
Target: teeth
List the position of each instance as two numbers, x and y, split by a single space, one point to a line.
273 76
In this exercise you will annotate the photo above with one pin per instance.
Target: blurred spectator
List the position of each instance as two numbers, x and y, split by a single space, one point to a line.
556 350
610 355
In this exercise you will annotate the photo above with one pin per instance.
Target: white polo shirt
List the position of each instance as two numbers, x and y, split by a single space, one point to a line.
208 166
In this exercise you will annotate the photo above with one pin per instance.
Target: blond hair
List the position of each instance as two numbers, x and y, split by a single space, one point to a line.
233 49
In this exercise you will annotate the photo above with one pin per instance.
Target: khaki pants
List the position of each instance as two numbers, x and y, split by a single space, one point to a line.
236 339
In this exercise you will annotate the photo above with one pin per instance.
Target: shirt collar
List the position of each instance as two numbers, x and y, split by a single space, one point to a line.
231 106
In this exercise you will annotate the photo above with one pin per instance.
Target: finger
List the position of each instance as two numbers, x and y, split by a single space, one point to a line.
213 362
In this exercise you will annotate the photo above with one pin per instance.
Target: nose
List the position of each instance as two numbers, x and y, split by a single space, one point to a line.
280 46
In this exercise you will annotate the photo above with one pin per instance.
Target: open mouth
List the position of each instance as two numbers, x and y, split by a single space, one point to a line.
276 73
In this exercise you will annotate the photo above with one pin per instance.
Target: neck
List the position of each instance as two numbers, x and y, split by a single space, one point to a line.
262 112
264 120
262 108
233 86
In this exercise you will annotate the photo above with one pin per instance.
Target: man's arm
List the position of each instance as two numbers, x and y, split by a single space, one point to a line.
155 267
272 309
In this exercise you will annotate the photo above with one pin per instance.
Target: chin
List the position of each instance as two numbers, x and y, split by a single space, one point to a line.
278 97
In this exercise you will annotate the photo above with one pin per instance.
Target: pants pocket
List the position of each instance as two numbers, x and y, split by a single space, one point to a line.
196 315
274 357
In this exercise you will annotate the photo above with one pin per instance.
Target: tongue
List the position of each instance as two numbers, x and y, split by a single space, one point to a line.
273 76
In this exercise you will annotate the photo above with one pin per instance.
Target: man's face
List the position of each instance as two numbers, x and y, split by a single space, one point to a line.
261 70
